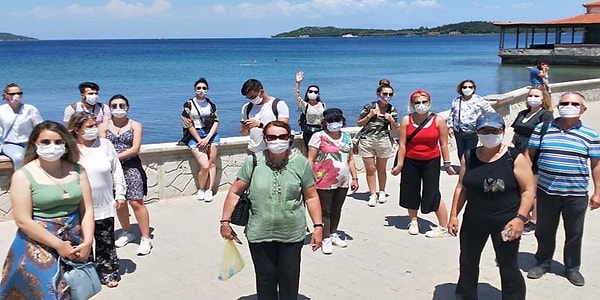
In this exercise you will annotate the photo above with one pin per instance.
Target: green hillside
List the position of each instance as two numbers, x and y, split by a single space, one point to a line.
5 36
473 27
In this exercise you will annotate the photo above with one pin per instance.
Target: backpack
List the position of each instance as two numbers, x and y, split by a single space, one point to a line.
273 107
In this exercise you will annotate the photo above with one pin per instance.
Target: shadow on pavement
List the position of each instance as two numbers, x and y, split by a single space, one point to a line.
445 291
401 222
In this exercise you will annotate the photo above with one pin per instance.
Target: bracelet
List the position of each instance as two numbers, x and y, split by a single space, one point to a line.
354 178
522 218
318 225
226 221
447 164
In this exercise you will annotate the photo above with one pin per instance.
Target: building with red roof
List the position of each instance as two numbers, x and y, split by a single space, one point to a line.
569 41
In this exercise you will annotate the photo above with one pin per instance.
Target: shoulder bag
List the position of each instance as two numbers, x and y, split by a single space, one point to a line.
412 135
241 212
82 280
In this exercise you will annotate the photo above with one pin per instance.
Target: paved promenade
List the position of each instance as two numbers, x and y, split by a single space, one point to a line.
382 260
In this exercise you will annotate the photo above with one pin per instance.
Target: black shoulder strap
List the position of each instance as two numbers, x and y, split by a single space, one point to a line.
213 107
467 155
274 108
253 166
412 135
248 109
543 131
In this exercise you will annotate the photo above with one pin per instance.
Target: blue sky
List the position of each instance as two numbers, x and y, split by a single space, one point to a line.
101 19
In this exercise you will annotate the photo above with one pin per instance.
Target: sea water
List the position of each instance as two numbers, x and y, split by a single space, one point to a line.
158 75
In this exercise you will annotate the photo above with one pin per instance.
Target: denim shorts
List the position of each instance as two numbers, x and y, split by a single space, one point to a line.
203 132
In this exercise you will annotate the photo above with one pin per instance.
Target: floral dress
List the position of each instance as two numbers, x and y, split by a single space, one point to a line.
331 165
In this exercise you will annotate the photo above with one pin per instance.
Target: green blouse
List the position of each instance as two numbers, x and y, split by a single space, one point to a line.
48 200
277 212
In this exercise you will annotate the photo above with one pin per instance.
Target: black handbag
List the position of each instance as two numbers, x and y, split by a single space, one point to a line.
187 136
241 212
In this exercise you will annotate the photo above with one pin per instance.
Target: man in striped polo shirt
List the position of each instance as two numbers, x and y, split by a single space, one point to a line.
562 186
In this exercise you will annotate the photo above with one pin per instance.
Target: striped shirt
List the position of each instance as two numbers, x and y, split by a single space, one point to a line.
563 158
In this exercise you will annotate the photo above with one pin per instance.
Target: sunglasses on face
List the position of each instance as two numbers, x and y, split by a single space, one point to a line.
313 92
334 119
576 104
201 88
118 105
467 87
272 137
420 102
49 141
387 94
16 93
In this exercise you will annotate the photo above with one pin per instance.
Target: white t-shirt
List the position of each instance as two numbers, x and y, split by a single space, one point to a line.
264 114
203 114
27 117
105 174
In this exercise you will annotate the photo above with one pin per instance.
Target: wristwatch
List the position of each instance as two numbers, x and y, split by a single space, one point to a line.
522 217
318 225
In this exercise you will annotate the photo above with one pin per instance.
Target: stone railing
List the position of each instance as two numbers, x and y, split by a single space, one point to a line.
172 172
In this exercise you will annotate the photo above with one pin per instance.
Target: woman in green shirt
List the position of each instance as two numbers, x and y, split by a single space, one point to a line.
277 225
52 207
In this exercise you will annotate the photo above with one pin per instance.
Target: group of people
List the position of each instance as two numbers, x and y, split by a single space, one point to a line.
91 168
70 181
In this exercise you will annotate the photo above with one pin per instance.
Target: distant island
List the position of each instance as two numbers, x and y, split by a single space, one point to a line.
5 36
472 27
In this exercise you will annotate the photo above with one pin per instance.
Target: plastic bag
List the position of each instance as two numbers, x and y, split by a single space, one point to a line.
232 261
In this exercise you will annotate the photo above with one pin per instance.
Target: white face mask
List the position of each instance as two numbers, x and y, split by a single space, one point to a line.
90 134
15 99
385 99
256 100
534 101
312 96
50 152
201 93
422 108
490 140
467 92
91 99
568 111
278 146
118 112
335 126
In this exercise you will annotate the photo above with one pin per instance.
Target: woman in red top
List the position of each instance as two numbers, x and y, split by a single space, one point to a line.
419 161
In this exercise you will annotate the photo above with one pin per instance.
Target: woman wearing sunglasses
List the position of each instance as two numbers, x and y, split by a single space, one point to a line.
126 136
330 154
52 207
377 118
311 107
100 160
16 123
423 141
282 188
464 111
199 119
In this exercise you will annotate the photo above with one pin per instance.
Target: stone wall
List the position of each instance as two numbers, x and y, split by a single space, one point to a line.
172 172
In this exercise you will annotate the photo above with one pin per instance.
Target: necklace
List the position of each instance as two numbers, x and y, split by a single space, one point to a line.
65 192
277 166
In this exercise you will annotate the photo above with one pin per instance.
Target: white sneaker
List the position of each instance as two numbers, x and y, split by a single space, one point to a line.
208 196
337 241
413 227
124 239
437 232
372 200
327 246
200 195
381 198
145 246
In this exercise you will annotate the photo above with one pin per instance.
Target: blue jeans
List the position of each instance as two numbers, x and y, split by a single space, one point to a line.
549 210
465 141
15 152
